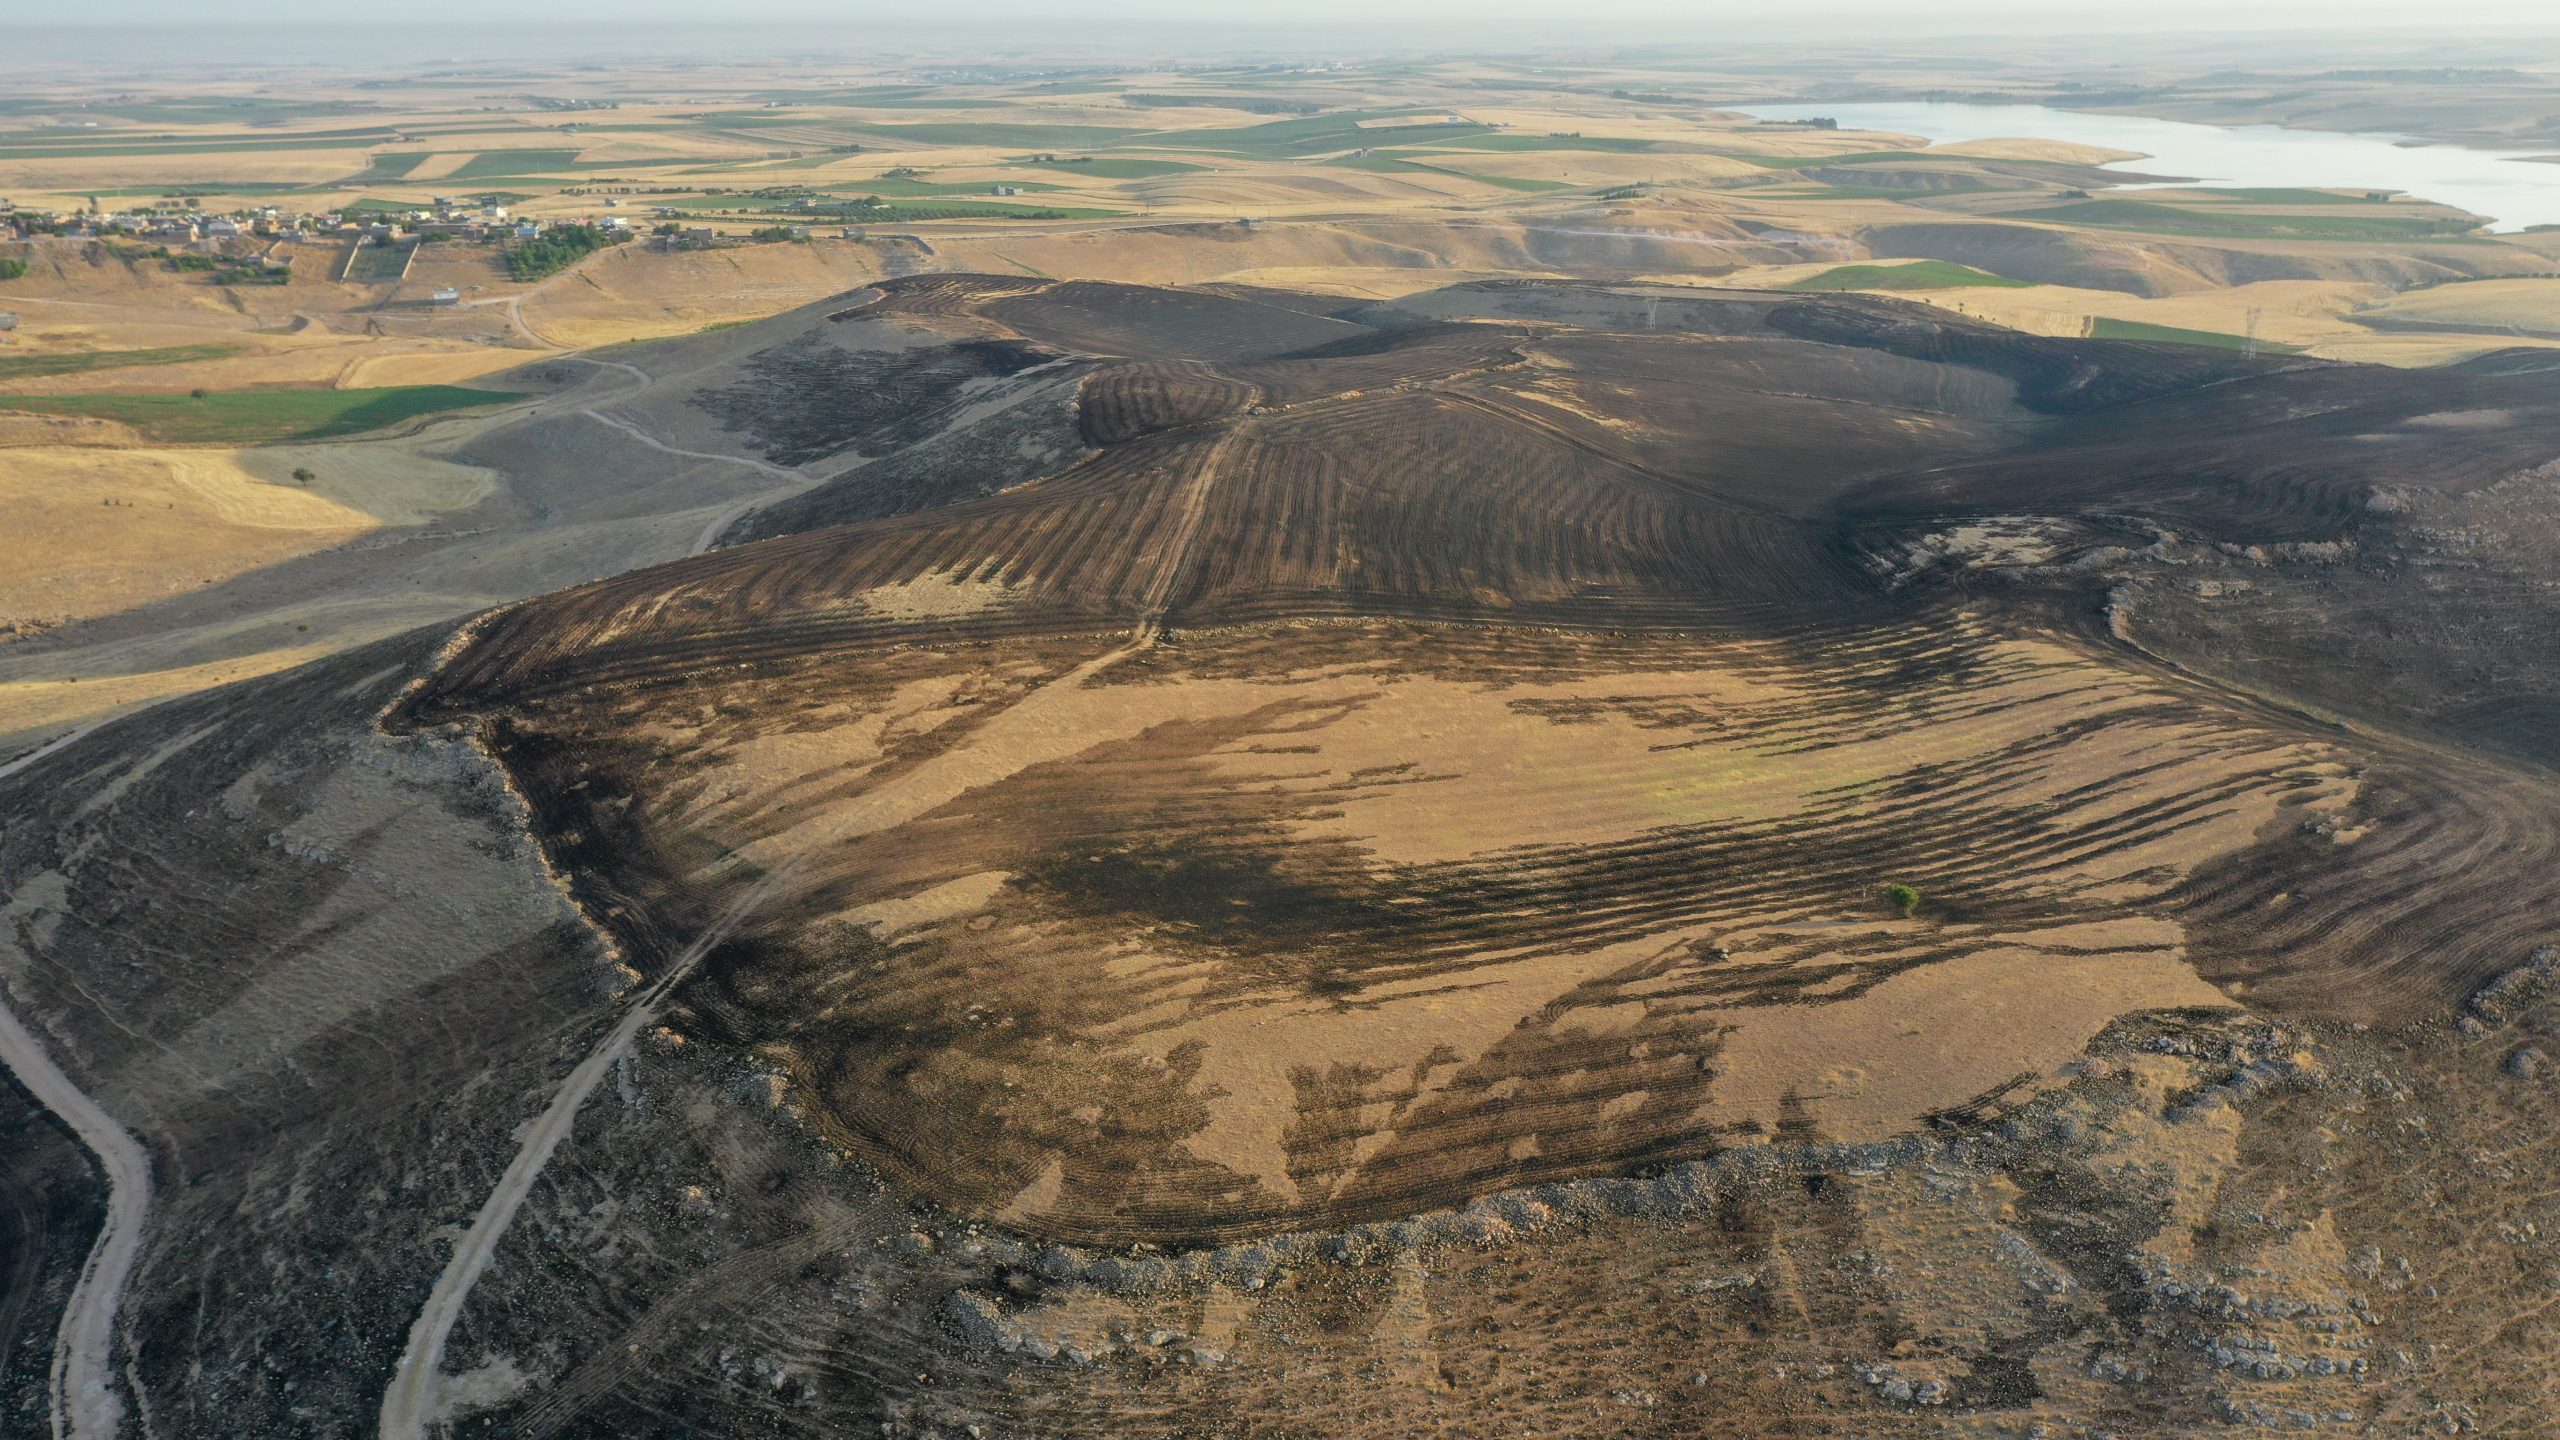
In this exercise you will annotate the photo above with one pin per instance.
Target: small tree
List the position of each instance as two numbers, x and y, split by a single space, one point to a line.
302 476
1902 897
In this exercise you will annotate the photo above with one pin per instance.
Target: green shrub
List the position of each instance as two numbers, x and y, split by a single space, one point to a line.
1902 897
560 247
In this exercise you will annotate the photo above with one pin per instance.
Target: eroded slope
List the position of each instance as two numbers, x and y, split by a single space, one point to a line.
1557 846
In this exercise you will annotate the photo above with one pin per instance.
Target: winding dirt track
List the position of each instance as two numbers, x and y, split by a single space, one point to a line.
85 1403
409 1405
726 518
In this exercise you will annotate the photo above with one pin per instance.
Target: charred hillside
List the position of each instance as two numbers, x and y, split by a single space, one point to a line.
1400 760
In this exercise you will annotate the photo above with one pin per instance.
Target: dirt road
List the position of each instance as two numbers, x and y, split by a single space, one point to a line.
726 518
411 1404
86 1405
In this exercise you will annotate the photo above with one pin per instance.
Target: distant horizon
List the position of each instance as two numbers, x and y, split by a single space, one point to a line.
116 32
1444 23
1693 15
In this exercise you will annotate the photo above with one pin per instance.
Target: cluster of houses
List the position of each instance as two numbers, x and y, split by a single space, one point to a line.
223 234
198 230
166 229
489 221
188 229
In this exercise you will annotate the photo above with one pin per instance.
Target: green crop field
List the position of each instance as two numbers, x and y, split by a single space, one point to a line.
751 119
1010 136
840 95
884 185
1921 275
964 210
1251 104
25 367
513 162
389 165
198 189
1390 161
2222 222
215 110
1816 190
259 417
1803 162
1316 134
1109 168
114 139
1504 140
245 145
1521 183
957 102
2101 328
2280 195
1403 135
657 163
380 262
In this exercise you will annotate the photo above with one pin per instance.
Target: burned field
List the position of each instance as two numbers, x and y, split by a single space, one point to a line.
1471 751
1541 859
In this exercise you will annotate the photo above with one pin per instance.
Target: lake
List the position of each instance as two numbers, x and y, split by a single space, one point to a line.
2512 192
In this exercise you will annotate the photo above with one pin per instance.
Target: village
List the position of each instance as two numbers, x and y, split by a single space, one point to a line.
263 241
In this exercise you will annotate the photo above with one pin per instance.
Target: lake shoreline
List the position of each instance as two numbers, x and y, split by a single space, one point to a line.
2493 184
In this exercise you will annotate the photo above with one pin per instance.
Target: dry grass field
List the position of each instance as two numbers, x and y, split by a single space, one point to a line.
177 519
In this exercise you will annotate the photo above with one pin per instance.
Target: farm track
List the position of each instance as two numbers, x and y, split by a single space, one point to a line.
794 481
409 1404
84 1400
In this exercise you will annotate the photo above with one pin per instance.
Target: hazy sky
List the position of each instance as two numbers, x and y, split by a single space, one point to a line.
1460 22
142 38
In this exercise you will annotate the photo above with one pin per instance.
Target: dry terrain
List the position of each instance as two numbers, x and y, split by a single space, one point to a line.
1357 875
1460 748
